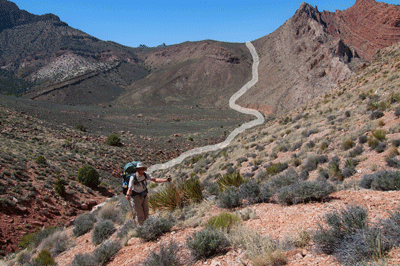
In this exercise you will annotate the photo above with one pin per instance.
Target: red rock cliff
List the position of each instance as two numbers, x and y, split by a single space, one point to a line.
366 26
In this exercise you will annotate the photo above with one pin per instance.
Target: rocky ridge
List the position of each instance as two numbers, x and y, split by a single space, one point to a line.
367 26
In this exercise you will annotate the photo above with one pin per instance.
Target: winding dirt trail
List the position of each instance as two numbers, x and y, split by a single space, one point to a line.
232 104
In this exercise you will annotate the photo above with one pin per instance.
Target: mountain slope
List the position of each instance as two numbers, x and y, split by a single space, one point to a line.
54 62
336 128
367 26
299 61
202 73
313 52
44 59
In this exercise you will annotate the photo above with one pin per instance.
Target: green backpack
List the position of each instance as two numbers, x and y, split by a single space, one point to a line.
129 169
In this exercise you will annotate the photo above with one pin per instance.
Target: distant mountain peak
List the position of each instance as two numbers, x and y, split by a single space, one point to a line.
11 16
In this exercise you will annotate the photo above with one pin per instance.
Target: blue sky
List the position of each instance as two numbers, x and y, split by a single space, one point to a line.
132 22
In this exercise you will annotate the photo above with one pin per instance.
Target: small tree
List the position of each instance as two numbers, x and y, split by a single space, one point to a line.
113 140
88 176
81 127
40 160
60 187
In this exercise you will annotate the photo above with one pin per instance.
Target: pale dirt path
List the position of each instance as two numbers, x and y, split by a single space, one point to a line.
232 104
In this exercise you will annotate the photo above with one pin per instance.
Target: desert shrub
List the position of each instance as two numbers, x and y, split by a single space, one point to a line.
24 257
88 176
124 230
246 214
381 123
191 189
153 227
377 115
174 196
110 212
393 162
349 168
348 171
228 180
168 197
250 191
312 162
380 147
334 168
241 160
59 187
305 192
206 243
81 127
397 112
56 243
366 181
379 134
83 224
83 260
331 117
362 139
347 144
303 239
307 133
276 168
396 142
265 193
230 198
44 258
362 96
165 256
260 250
223 221
356 151
390 228
32 240
296 146
259 147
382 180
277 182
361 246
210 187
113 140
303 175
324 145
373 143
102 231
41 160
103 254
339 225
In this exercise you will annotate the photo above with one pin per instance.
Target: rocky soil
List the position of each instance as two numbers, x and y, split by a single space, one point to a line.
332 125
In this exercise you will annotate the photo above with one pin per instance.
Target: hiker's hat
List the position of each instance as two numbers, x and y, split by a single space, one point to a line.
141 166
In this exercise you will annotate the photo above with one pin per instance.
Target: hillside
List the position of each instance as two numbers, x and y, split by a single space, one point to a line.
340 138
325 95
70 137
44 59
367 26
314 51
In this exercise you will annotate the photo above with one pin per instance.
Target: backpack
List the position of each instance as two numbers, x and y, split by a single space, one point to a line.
129 169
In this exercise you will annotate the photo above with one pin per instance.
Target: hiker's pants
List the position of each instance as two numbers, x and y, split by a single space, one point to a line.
141 207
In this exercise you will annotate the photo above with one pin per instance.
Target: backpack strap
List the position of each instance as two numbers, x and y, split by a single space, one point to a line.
143 182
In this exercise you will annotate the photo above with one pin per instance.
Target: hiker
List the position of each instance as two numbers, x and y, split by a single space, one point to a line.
138 189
